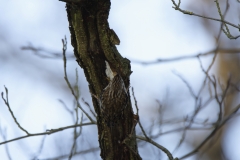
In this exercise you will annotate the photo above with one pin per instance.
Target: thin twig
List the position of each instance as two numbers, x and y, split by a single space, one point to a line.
210 52
223 16
49 54
165 150
65 107
159 60
48 132
219 126
177 7
87 104
91 150
75 137
186 83
4 136
10 110
40 148
64 42
146 138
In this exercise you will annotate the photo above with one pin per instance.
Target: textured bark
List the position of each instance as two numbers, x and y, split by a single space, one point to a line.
94 43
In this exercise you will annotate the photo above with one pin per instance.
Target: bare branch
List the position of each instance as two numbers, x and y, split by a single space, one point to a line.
187 84
40 148
44 53
227 32
48 132
146 138
218 127
210 52
77 153
64 42
87 104
65 107
165 150
75 137
4 136
10 110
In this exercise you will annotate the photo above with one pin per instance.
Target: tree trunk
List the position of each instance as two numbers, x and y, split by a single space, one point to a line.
94 45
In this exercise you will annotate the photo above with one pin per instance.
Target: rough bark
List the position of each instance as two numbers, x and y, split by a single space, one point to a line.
94 43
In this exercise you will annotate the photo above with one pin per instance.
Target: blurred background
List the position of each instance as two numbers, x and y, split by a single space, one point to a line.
148 30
